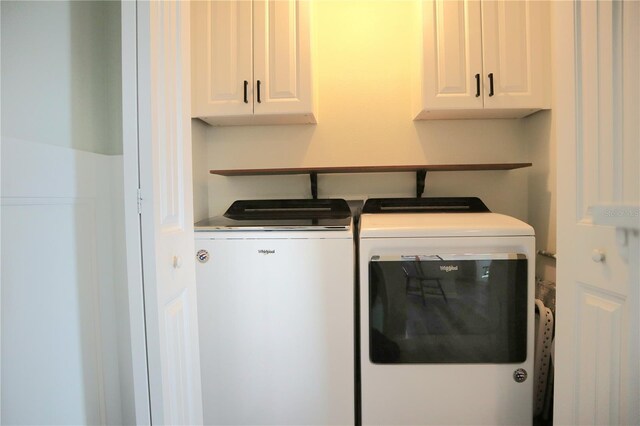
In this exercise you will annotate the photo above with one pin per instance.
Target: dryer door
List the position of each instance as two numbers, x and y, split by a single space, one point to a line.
448 308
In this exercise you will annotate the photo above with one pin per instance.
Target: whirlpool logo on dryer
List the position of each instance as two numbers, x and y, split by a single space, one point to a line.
266 251
449 268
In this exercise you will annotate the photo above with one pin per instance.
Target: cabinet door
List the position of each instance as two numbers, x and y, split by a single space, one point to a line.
515 39
282 58
452 55
221 35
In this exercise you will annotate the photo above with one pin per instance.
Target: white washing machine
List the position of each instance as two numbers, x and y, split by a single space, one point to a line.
275 281
446 314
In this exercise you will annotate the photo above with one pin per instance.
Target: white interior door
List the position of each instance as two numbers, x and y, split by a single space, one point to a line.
598 299
166 212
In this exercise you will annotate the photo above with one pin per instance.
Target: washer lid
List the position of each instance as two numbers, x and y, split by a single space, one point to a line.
303 214
425 205
412 225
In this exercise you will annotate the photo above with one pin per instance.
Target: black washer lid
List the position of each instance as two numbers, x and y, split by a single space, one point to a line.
288 209
425 205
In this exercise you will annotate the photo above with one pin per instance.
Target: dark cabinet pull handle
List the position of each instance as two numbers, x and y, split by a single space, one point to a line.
477 85
259 101
246 89
490 84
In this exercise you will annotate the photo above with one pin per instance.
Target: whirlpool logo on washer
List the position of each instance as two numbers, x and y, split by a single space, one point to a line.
448 268
266 251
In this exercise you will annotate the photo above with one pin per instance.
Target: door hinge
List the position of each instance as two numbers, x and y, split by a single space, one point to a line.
139 201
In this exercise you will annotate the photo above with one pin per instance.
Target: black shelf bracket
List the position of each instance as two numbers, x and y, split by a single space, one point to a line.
313 177
421 177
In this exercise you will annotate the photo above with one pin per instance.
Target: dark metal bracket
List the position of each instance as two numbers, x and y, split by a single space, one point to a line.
421 177
313 177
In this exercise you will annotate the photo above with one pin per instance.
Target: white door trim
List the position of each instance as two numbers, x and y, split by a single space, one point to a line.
132 217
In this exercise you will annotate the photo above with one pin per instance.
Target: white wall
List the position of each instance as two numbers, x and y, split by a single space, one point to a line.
65 353
59 328
61 73
364 56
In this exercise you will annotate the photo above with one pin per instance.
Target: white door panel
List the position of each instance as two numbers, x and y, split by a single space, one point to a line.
167 222
597 342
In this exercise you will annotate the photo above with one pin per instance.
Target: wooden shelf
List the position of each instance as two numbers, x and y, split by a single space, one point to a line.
420 170
371 169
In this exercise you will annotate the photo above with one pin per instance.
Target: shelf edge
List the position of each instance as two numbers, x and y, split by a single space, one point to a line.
370 169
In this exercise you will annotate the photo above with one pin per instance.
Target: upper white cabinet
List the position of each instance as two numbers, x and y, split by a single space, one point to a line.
251 62
483 59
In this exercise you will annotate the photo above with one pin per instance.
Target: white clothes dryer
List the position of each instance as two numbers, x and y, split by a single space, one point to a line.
275 283
446 314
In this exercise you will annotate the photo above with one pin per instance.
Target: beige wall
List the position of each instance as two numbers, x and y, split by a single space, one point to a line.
363 64
542 191
542 188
